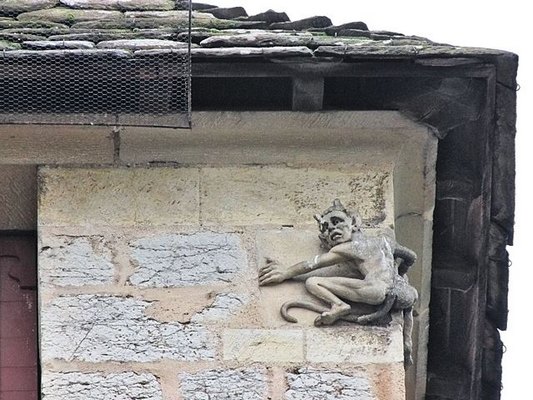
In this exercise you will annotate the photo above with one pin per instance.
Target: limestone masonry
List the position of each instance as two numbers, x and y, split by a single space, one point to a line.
150 285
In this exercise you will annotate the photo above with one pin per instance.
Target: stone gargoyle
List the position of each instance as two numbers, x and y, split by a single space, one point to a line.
379 260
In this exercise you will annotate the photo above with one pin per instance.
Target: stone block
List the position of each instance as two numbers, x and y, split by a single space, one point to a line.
288 196
75 261
120 4
19 6
97 386
69 16
18 196
355 345
231 384
33 144
185 260
314 384
263 345
118 196
97 328
141 44
224 307
292 138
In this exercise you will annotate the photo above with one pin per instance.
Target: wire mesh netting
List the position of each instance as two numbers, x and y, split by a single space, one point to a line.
96 87
131 81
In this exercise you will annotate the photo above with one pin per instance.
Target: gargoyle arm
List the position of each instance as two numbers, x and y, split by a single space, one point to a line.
273 272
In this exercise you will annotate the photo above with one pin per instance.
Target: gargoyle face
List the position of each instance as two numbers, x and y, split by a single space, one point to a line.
335 227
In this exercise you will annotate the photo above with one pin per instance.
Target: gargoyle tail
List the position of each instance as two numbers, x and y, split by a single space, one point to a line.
300 304
407 336
380 312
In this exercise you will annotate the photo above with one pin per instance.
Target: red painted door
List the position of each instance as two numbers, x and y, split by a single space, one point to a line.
18 318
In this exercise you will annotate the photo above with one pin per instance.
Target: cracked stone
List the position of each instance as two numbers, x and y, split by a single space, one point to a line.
186 260
232 384
312 384
97 386
225 305
75 261
98 328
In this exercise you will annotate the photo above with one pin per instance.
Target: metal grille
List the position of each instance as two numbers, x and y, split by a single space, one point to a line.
96 87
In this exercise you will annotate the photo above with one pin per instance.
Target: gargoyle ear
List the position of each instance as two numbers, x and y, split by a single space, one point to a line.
337 203
357 221
318 218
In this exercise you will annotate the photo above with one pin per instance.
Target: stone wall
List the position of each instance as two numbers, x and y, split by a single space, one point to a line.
148 285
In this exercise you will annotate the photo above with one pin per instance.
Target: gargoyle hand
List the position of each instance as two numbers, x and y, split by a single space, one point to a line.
272 273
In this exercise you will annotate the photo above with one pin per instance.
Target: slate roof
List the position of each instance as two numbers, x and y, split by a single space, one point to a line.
143 27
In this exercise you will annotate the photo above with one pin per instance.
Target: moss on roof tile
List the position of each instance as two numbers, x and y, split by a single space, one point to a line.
14 7
120 5
69 16
6 45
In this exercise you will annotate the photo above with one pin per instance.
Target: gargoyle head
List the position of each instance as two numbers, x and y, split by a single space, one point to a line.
337 224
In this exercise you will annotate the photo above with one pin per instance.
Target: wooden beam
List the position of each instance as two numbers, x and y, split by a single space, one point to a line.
402 68
307 93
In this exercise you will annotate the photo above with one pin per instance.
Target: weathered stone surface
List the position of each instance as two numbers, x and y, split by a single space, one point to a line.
19 37
158 20
334 30
303 24
97 386
75 261
25 25
315 384
97 328
18 196
69 16
225 306
64 44
159 52
195 6
141 44
387 33
52 145
97 36
13 7
232 384
227 13
53 54
182 260
286 196
5 45
354 33
141 196
341 40
387 50
359 345
263 345
274 52
120 4
259 39
270 17
174 14
196 36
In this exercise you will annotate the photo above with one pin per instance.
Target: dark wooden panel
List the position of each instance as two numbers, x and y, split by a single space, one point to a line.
18 318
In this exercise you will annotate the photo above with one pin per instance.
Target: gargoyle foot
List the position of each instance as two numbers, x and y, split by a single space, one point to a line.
335 313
